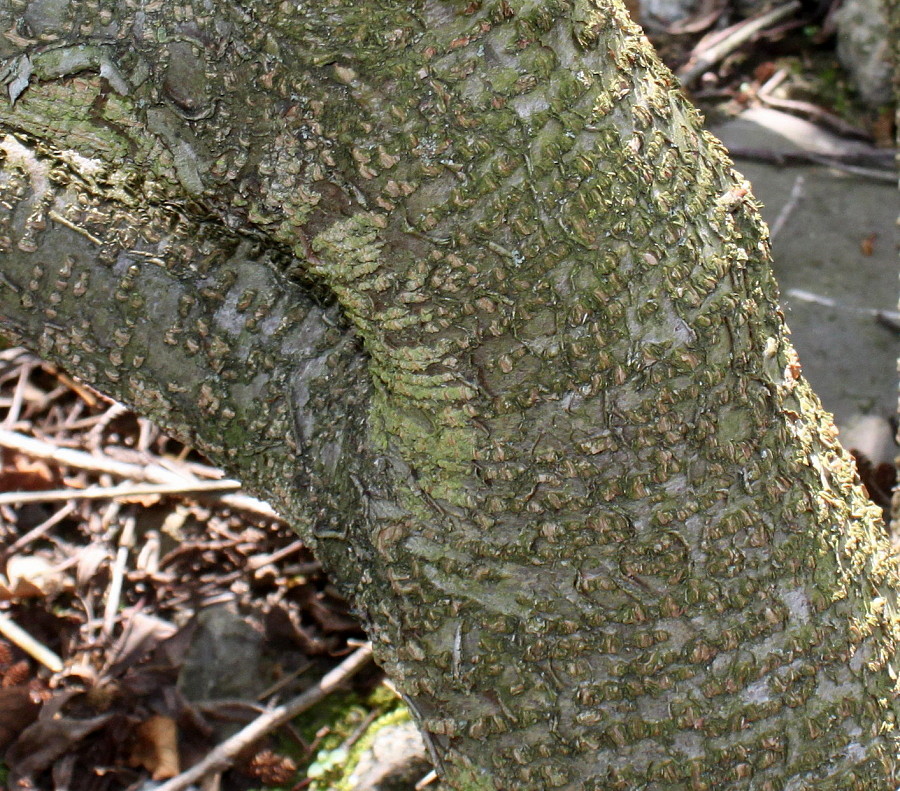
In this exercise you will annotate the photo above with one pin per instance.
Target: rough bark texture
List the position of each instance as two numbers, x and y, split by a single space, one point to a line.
466 291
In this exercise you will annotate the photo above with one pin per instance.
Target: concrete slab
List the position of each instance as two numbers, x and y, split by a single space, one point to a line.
835 258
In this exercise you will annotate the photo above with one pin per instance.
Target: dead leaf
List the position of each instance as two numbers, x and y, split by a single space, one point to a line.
47 738
142 634
19 708
282 624
328 614
15 674
19 473
867 244
32 576
158 672
764 71
90 558
156 747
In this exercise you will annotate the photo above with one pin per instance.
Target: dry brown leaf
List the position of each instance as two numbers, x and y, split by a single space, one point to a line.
30 577
156 747
90 559
51 735
18 709
143 500
142 634
19 473
867 244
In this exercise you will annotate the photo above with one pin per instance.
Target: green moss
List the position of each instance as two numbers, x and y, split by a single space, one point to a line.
343 715
503 81
395 717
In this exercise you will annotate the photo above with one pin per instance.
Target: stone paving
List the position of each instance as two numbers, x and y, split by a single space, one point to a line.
835 251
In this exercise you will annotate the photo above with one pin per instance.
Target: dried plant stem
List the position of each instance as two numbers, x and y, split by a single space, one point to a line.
156 472
114 593
125 490
264 560
223 756
873 163
16 634
703 60
79 459
36 532
19 393
820 114
788 208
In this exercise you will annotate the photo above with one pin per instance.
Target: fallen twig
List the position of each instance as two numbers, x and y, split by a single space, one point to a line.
706 17
259 561
813 111
224 755
887 318
703 59
788 208
37 531
157 472
427 780
866 163
114 592
16 634
79 459
284 681
111 492
18 398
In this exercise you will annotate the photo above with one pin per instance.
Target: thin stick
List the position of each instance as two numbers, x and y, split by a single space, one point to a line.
15 407
16 634
54 215
284 681
111 492
114 592
703 61
888 318
95 435
224 755
157 472
700 21
79 459
788 208
872 158
815 112
38 531
264 560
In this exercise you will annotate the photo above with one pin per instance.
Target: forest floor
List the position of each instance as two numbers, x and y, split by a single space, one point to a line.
149 610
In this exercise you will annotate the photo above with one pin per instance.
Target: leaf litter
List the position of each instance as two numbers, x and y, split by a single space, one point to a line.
103 601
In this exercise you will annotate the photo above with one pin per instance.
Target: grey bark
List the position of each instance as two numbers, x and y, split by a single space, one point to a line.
466 291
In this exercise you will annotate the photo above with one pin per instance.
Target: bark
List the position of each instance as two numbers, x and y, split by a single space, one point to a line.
466 291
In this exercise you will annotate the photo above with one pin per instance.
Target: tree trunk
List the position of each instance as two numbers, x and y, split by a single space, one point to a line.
469 295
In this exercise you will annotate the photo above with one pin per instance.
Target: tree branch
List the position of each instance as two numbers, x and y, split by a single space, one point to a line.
222 756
